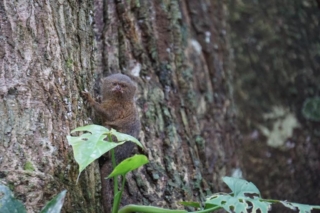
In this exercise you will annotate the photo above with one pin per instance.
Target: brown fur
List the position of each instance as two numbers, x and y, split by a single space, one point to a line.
119 112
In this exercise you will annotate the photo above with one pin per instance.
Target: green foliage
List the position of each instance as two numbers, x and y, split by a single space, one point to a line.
8 204
245 197
55 205
94 142
243 194
241 187
302 207
129 165
311 109
123 168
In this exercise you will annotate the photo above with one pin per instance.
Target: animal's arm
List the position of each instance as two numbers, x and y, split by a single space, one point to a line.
98 107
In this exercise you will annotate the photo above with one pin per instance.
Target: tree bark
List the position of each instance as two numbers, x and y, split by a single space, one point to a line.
177 51
46 60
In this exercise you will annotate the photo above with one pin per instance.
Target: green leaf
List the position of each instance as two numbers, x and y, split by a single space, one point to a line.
303 208
117 198
237 204
55 205
243 194
241 187
257 204
190 204
128 165
91 145
311 109
8 204
228 202
121 137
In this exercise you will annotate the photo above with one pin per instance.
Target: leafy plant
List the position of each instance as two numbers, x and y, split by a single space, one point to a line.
8 204
244 196
122 169
96 141
55 205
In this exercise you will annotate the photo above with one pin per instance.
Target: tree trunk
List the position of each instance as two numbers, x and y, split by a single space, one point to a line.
46 59
276 49
177 51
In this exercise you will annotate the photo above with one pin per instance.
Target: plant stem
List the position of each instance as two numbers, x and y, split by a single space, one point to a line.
152 209
115 179
147 209
113 159
270 201
118 197
208 210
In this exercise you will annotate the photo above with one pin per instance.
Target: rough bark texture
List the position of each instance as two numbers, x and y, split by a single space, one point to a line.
175 50
276 50
45 58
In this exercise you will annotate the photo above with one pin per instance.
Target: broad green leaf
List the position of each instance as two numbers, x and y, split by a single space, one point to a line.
303 208
55 205
238 203
91 145
243 194
229 203
257 204
128 165
241 187
190 204
8 204
91 128
121 137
